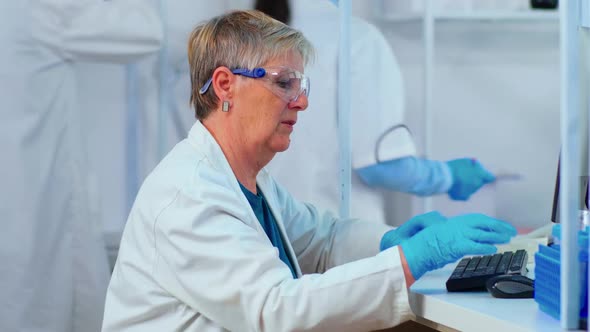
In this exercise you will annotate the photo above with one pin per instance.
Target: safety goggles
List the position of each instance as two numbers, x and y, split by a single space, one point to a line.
286 83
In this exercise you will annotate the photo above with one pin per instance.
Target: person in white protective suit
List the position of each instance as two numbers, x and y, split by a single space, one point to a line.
383 152
164 114
213 243
54 271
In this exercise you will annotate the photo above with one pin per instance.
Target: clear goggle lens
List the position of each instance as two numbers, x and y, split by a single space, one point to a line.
286 83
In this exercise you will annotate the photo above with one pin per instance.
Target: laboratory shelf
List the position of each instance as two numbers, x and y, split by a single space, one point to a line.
474 15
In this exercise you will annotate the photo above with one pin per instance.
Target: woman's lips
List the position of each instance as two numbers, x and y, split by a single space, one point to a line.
289 124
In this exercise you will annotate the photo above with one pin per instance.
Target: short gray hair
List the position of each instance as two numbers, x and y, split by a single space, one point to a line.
240 39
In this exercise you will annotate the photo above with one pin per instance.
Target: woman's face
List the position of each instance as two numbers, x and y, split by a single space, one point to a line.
265 120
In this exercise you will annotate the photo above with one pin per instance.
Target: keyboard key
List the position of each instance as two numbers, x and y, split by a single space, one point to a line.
518 264
464 262
504 263
495 260
483 262
472 264
461 266
479 272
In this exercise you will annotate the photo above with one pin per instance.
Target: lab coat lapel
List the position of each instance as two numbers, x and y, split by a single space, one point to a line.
265 184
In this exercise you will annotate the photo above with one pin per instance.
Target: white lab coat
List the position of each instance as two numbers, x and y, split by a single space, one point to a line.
194 257
54 271
309 168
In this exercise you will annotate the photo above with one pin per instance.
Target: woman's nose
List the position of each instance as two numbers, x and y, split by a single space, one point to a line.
300 104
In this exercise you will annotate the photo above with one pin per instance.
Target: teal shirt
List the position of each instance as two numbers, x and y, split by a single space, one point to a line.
268 222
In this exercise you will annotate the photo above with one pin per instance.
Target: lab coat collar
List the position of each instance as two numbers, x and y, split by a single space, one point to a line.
202 139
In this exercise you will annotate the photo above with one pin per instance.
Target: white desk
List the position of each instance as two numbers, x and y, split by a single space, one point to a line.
473 311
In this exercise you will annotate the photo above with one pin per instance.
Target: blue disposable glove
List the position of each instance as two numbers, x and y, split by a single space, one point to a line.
411 175
395 236
446 242
468 176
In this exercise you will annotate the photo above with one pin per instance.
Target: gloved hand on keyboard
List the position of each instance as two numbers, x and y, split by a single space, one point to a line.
410 228
468 176
445 242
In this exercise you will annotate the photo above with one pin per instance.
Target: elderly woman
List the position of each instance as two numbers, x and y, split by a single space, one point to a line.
213 243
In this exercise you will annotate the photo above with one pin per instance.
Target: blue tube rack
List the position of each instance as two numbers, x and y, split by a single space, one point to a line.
547 276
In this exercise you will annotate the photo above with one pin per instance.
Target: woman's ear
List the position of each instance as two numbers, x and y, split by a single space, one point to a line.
223 80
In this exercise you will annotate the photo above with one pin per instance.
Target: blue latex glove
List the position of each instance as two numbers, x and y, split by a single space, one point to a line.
411 175
395 236
446 242
468 176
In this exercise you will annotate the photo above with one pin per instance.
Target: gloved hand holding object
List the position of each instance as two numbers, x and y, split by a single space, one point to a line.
446 242
410 228
459 178
468 176
411 175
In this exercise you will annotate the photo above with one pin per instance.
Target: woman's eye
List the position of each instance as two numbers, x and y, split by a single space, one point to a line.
284 84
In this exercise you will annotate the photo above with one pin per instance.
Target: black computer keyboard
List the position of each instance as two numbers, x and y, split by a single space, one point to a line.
473 272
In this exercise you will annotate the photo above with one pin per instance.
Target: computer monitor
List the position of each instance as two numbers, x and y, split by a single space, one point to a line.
584 196
584 147
555 208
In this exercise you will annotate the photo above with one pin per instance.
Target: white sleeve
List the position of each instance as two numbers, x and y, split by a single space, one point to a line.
115 31
321 240
213 261
377 99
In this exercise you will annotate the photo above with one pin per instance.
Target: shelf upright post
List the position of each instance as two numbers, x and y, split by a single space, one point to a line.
428 38
585 107
345 168
570 170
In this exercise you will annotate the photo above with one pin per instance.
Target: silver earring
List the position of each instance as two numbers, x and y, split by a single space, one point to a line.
225 106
